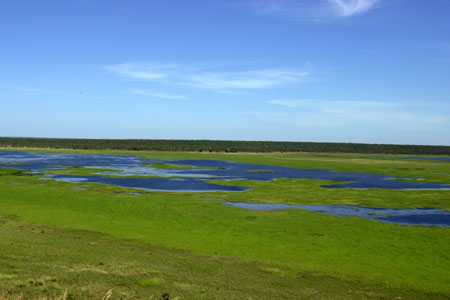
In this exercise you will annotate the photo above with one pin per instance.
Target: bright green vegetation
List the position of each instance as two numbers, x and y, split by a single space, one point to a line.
81 264
88 239
12 172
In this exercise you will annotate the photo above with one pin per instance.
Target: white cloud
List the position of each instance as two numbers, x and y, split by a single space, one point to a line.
150 93
140 71
223 80
346 8
260 79
313 9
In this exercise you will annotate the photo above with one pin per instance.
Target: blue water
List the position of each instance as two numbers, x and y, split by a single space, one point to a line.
154 184
126 168
432 158
423 217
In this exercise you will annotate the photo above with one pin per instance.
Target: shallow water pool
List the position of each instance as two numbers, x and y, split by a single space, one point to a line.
423 217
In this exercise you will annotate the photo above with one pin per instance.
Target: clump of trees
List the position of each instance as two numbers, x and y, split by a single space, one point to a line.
221 146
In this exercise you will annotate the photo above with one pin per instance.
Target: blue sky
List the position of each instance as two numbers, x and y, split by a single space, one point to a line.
375 71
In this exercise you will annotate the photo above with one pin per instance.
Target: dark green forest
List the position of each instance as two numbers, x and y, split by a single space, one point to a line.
220 146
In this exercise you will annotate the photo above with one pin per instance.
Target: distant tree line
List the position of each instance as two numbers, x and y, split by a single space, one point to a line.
220 146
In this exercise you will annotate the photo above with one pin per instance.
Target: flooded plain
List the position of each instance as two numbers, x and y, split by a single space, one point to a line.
192 175
197 176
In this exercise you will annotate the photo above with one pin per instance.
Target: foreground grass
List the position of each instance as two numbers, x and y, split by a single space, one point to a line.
48 263
318 255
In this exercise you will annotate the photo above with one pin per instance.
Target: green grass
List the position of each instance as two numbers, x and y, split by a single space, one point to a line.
79 264
278 255
13 173
310 192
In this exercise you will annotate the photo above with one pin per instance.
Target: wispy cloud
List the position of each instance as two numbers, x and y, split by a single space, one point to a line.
346 8
153 94
287 103
140 71
259 79
308 9
222 80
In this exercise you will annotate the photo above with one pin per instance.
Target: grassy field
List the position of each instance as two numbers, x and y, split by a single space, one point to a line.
87 241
